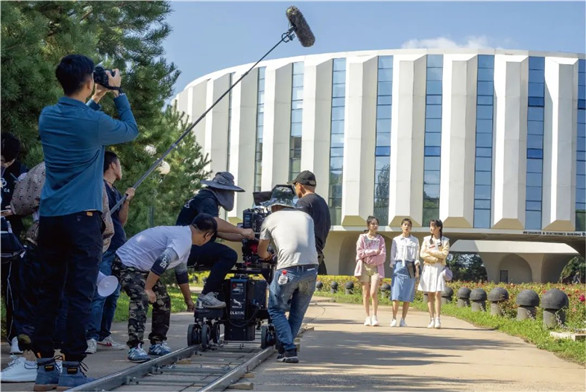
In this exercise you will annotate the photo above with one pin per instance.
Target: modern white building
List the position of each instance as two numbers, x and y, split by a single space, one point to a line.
490 141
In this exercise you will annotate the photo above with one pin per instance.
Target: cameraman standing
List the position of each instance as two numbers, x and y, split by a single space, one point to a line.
292 234
74 136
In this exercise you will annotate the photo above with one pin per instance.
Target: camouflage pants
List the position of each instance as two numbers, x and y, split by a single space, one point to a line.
133 282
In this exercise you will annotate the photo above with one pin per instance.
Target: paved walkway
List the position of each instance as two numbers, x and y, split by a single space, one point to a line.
341 354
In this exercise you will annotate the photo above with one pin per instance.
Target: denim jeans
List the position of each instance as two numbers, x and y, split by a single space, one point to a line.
293 296
103 308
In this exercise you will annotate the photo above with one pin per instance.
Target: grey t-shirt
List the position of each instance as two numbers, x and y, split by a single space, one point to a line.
292 234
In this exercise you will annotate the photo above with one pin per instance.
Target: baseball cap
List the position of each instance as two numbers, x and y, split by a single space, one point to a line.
305 178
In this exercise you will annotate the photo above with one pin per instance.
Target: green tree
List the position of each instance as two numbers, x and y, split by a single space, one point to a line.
574 269
124 35
468 267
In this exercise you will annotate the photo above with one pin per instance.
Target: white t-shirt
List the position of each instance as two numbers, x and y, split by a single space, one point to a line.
142 250
292 233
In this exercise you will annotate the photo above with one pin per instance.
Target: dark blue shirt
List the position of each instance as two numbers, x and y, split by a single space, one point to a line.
119 237
74 136
203 202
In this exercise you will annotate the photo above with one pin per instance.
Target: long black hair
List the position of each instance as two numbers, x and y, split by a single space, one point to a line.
369 220
437 223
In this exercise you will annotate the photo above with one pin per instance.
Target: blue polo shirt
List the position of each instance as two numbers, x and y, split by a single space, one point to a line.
74 136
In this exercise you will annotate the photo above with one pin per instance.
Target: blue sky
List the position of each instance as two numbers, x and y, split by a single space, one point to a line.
209 36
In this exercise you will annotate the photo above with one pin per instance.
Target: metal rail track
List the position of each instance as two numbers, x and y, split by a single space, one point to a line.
188 369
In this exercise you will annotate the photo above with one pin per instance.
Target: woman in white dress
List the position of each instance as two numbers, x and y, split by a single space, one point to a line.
434 251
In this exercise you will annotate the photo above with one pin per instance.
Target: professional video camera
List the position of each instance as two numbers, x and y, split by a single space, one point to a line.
245 297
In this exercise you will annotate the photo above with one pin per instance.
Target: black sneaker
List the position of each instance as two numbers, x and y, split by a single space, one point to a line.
289 356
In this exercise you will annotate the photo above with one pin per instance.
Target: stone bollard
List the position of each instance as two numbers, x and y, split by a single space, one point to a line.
447 294
464 297
349 288
319 285
478 298
385 290
334 287
553 303
527 300
496 297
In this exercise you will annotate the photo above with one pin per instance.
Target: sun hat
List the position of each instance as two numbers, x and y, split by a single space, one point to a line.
223 180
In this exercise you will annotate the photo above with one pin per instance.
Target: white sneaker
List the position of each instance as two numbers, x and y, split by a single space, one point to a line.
437 324
367 322
111 343
92 346
431 323
210 301
402 323
19 370
14 349
374 321
394 323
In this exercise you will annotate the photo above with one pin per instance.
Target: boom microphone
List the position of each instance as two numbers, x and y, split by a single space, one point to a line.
300 26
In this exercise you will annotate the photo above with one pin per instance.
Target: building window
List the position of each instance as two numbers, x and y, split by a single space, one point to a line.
337 139
534 176
433 131
260 110
382 152
484 136
296 120
581 150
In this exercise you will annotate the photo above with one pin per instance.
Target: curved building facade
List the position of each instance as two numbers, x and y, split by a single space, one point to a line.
490 141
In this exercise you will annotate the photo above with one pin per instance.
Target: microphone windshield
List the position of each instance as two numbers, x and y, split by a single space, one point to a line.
300 26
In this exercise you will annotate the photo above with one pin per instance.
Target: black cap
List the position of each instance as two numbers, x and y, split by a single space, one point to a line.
305 178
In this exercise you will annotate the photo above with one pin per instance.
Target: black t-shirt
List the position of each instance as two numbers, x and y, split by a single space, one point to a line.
9 178
318 209
119 237
203 202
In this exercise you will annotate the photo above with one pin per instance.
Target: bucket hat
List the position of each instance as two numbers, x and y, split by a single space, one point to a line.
281 196
224 181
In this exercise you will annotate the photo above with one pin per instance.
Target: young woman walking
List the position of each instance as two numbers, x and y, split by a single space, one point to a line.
434 251
404 262
370 270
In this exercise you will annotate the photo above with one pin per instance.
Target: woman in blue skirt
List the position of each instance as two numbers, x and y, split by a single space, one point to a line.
405 265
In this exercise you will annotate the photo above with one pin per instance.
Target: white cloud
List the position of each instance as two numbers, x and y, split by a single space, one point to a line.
472 42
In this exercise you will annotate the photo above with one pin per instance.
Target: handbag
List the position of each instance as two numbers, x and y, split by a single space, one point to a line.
447 274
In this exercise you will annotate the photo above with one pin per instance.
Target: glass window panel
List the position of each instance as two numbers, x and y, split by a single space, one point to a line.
580 197
484 126
433 151
295 166
434 73
261 72
385 61
580 156
336 191
297 115
483 152
484 140
536 89
435 60
533 193
433 100
338 126
385 74
581 117
484 100
483 164
431 191
433 139
298 80
337 152
533 220
536 101
433 111
383 112
295 105
434 87
260 119
431 177
433 125
482 191
535 114
580 207
482 219
535 127
337 140
336 102
485 74
534 179
536 62
383 139
534 153
581 103
385 88
581 92
482 204
536 76
297 93
534 165
296 129
533 206
484 112
339 78
382 162
337 113
383 125
384 100
485 88
339 64
382 150
580 169
336 163
338 90
432 163
483 178
485 61
535 142
298 67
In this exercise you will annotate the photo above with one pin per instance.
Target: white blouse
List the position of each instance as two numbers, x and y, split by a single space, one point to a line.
404 248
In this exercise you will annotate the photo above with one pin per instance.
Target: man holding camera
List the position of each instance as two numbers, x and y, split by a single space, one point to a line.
218 257
73 136
292 233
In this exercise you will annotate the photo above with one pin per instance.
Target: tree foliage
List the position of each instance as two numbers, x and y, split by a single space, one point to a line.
575 269
117 34
468 267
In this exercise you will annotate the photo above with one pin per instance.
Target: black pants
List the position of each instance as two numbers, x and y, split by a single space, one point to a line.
218 257
10 290
321 269
70 249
